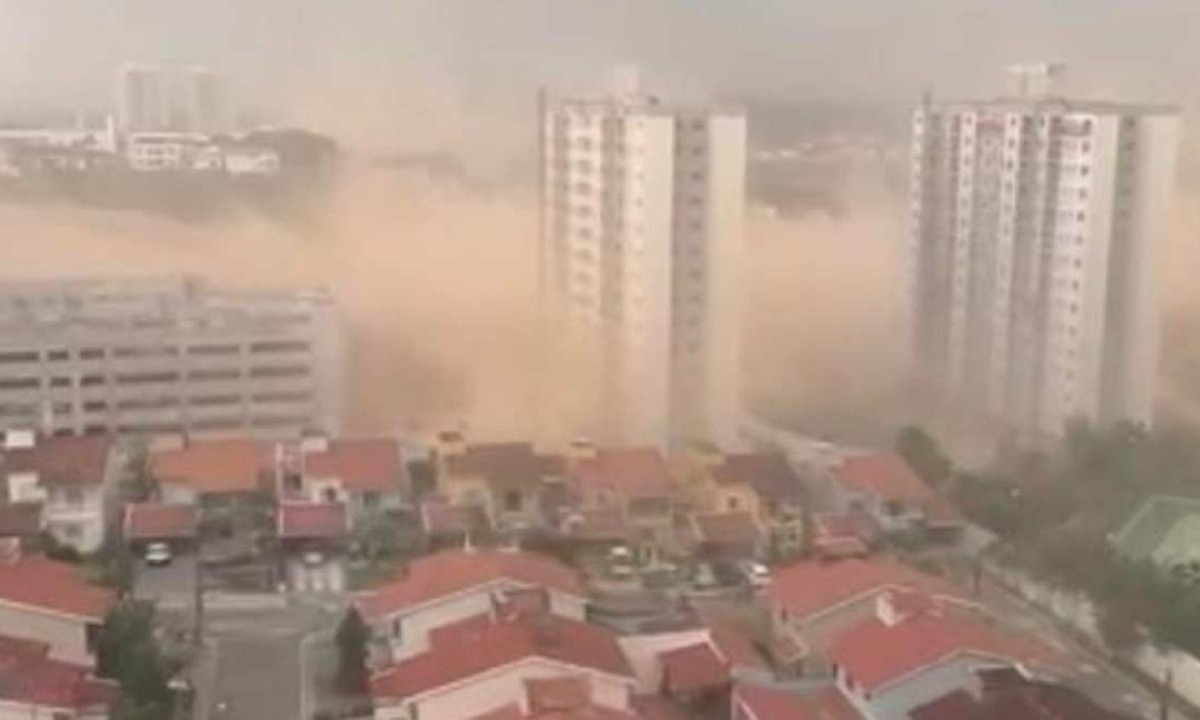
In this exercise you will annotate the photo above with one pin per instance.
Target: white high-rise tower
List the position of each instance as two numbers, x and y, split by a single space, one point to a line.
1036 221
642 214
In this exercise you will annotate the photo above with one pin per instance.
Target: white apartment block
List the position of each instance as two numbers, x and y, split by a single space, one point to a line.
1036 222
643 209
165 356
160 98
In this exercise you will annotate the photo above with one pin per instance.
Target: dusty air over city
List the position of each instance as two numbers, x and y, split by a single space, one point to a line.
583 360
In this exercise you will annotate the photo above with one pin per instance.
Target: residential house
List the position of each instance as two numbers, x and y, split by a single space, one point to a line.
454 585
151 522
631 487
731 536
52 603
562 698
1006 693
364 475
73 478
759 702
886 488
213 473
766 485
812 601
913 653
511 481
445 524
35 685
485 664
301 526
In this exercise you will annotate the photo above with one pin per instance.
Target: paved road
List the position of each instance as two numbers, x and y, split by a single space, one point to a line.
258 665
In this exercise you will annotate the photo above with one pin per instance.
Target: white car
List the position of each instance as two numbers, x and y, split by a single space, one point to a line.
158 553
757 574
313 558
620 563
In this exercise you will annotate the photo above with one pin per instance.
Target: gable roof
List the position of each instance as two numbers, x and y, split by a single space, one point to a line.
769 474
365 465
470 649
876 654
158 521
308 521
211 466
505 465
639 472
728 635
53 587
29 677
435 576
766 703
62 460
812 587
884 475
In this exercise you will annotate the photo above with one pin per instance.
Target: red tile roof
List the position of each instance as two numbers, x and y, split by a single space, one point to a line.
768 473
558 693
766 703
156 521
53 587
1017 697
693 668
629 472
310 521
435 576
885 475
727 528
28 677
505 465
586 712
728 635
211 466
657 707
20 520
65 460
369 465
470 649
876 655
855 524
813 587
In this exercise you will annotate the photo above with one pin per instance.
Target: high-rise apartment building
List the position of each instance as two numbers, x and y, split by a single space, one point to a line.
167 98
642 214
1036 222
166 356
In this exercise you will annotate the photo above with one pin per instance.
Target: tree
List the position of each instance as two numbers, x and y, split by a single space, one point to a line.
353 638
128 653
924 455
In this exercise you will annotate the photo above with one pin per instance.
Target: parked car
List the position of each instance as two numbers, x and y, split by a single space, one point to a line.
704 577
620 563
757 575
158 554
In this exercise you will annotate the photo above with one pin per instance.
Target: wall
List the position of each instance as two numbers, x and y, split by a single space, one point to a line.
415 626
67 638
87 517
815 633
642 652
894 703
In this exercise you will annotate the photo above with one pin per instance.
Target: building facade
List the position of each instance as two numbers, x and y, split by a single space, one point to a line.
170 98
167 356
643 208
1035 226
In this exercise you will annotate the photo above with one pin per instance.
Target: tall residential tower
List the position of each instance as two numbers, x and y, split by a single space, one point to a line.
1036 221
642 214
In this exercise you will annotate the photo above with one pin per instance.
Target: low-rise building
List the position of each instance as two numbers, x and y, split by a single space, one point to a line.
511 481
884 486
34 685
635 484
758 702
454 585
485 664
52 603
364 475
150 522
73 480
912 653
776 493
812 601
1006 694
210 472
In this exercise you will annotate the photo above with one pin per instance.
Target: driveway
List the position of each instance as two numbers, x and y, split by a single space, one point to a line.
171 586
328 577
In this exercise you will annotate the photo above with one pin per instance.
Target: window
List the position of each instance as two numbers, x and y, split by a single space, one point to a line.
512 501
732 503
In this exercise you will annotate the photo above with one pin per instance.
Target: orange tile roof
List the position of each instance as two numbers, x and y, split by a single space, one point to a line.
727 634
451 571
639 472
885 475
366 465
53 587
505 465
876 655
813 587
693 668
211 466
471 649
726 528
65 460
766 703
156 521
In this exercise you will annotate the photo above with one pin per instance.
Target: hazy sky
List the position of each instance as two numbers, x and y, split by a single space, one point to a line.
440 66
